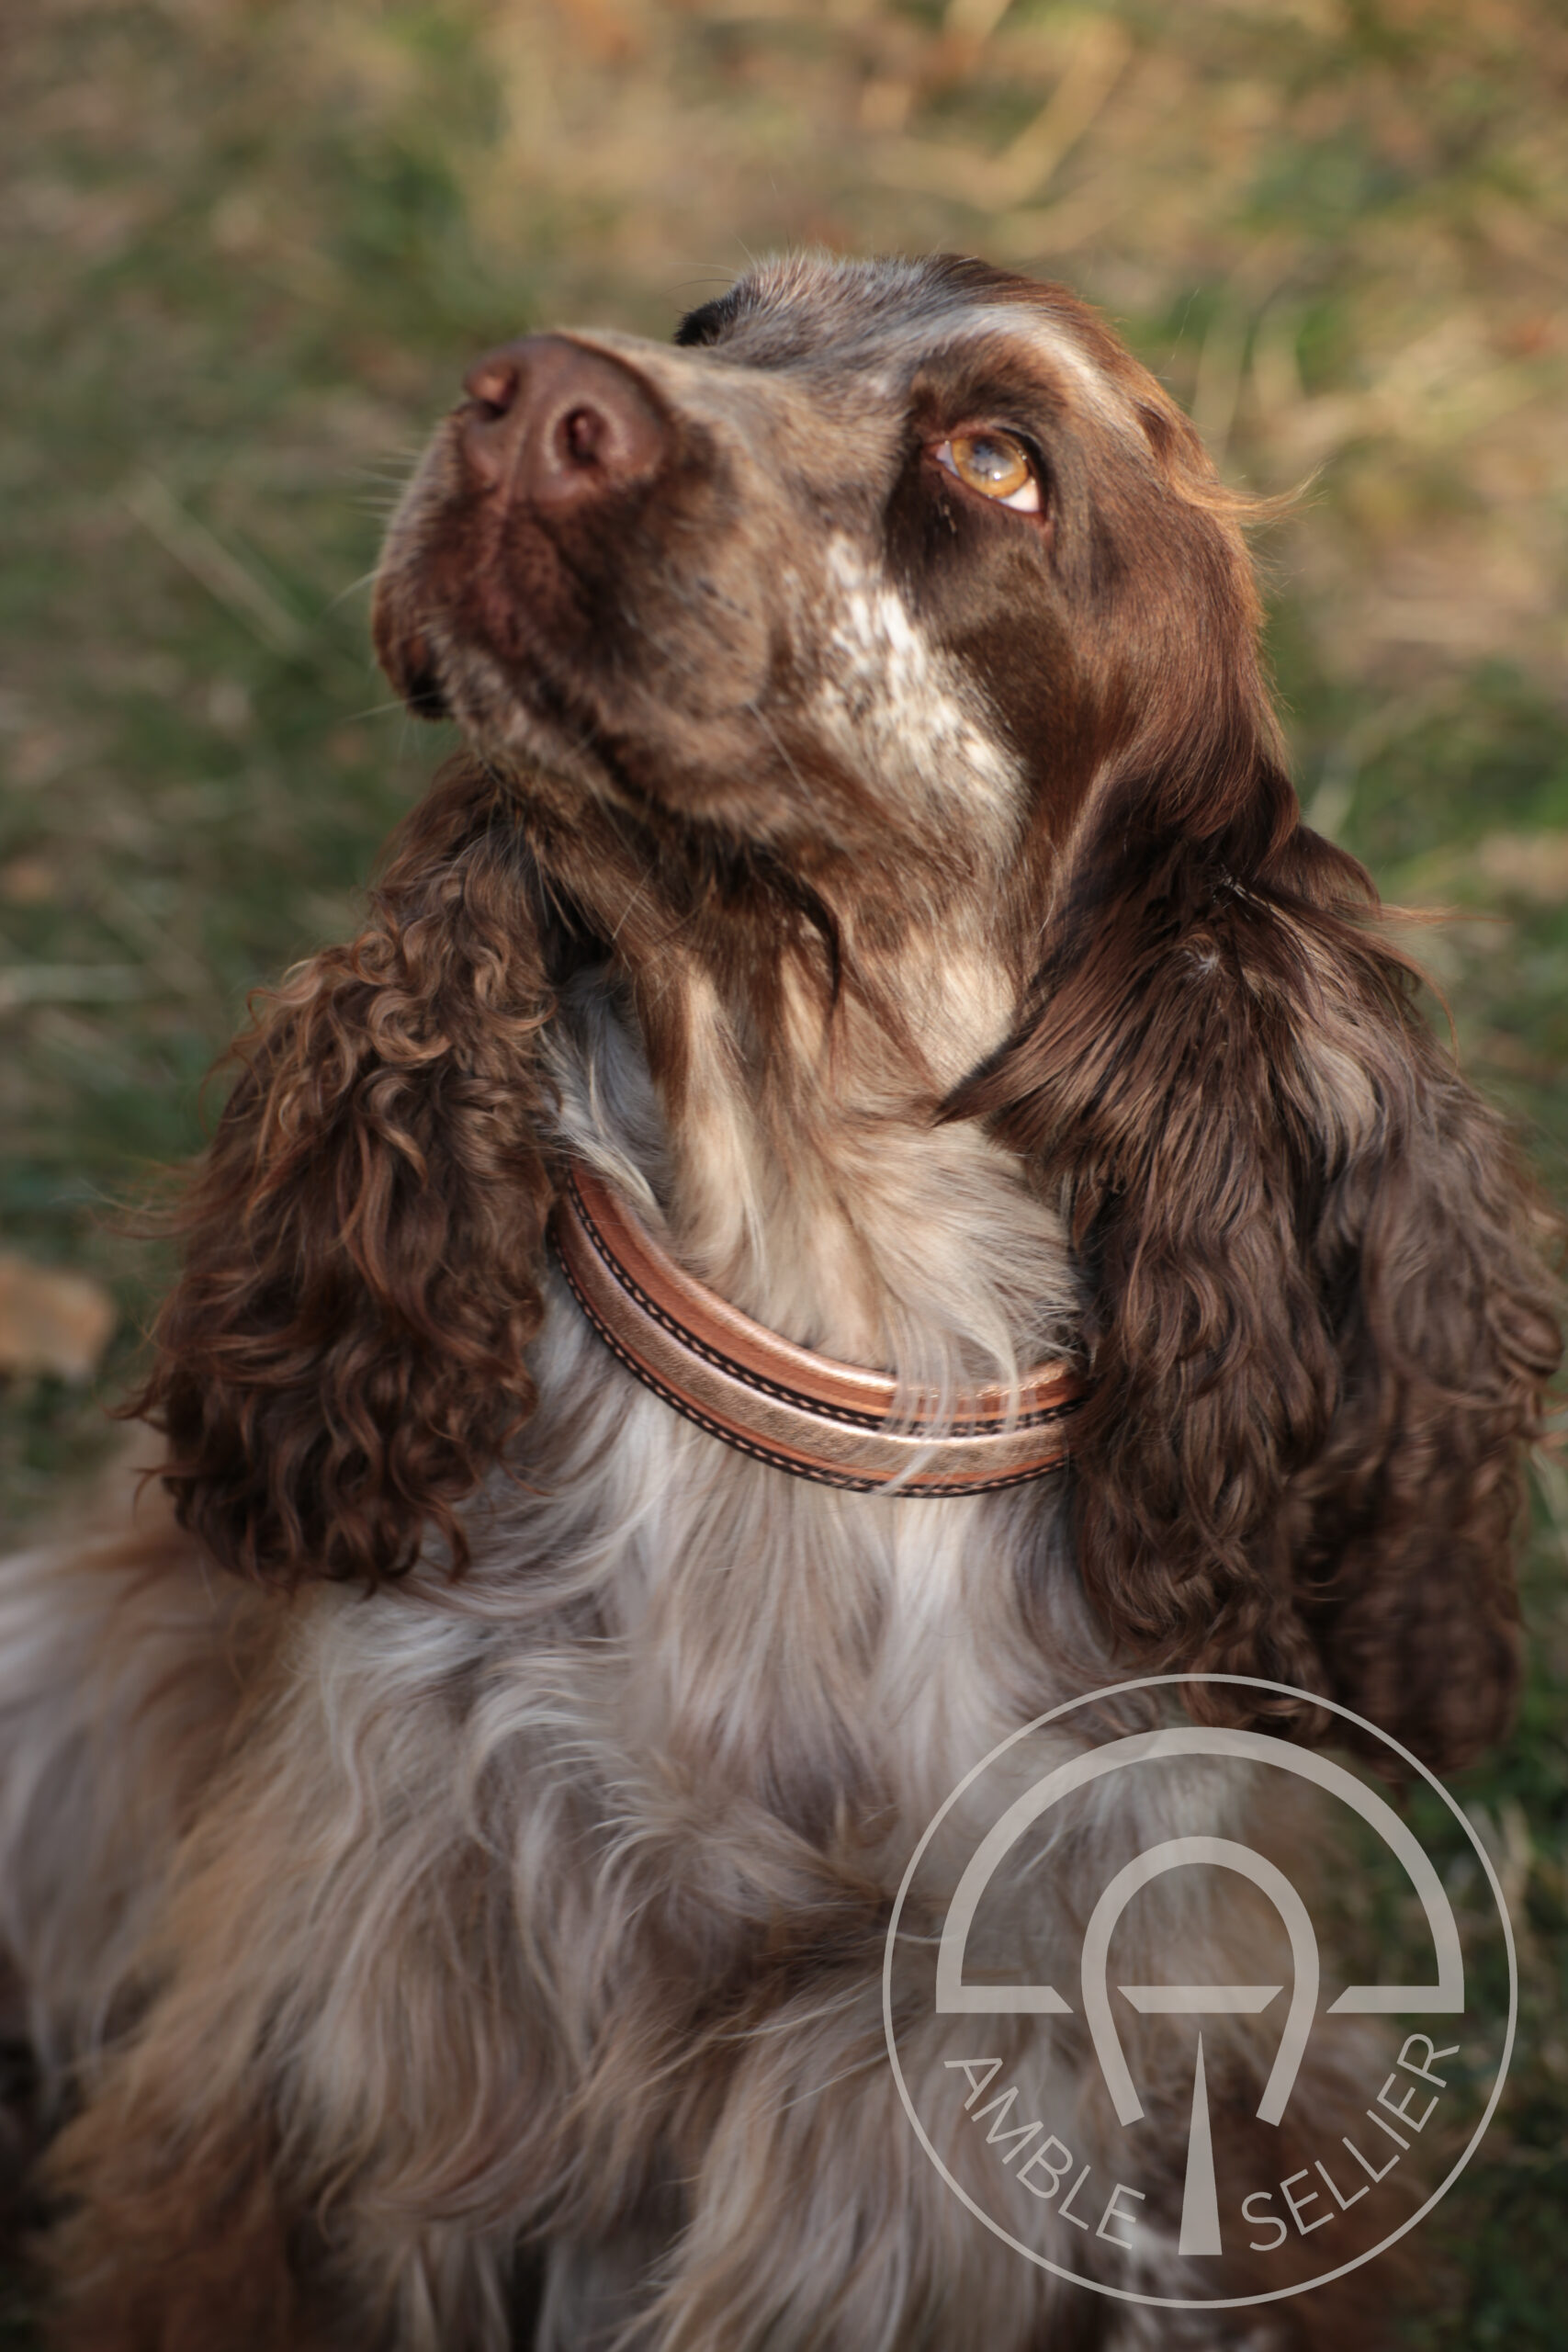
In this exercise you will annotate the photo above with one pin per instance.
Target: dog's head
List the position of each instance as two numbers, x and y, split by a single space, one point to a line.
899 579
880 555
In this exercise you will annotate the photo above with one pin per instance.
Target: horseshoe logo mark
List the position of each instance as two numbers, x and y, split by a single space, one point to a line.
1033 2157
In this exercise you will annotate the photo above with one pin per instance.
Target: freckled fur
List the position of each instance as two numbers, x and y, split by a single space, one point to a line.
450 1834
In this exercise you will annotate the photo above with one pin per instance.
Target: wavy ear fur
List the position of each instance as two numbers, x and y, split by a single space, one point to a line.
1322 1322
343 1358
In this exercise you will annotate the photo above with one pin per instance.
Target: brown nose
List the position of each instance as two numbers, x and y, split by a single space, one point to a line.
558 424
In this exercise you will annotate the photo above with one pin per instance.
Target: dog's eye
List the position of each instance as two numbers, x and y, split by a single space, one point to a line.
994 464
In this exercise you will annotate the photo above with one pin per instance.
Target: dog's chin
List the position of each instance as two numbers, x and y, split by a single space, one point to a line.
408 655
437 680
561 757
555 761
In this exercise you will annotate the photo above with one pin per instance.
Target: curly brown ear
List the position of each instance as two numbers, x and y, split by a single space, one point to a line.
343 1358
1323 1323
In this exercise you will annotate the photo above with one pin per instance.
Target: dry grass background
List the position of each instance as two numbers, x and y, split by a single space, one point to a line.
248 246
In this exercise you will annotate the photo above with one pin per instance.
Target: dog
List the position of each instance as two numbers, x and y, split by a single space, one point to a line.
865 1175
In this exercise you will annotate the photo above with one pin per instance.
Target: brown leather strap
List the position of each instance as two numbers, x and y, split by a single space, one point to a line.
783 1405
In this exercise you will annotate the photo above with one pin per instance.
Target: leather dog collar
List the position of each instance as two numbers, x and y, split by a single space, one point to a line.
802 1412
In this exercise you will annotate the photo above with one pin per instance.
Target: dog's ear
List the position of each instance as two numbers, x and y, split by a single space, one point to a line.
1322 1322
343 1358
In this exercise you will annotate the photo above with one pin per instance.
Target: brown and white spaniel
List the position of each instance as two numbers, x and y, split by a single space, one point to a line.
449 1828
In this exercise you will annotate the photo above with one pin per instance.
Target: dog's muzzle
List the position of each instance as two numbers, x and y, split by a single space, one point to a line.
835 1423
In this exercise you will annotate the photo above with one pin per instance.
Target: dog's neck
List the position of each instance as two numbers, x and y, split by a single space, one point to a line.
794 1152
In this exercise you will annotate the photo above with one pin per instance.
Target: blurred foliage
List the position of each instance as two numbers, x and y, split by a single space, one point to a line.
251 244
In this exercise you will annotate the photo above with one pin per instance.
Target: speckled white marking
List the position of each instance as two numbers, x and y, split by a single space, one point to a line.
903 712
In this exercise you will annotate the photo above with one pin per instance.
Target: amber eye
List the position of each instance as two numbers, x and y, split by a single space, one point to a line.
994 464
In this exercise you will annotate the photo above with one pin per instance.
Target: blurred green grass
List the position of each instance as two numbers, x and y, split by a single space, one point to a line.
249 250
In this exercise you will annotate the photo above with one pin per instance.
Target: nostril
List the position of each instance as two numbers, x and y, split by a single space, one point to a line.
493 382
553 422
583 432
